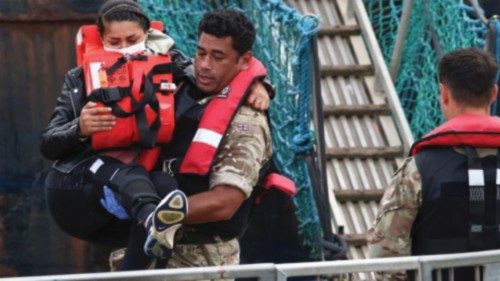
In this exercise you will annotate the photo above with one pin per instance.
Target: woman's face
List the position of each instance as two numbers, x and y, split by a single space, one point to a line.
122 34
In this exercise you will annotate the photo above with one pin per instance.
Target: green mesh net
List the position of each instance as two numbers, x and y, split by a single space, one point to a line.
435 27
283 45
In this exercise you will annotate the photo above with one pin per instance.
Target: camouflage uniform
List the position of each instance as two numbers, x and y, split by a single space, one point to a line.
116 258
390 234
243 150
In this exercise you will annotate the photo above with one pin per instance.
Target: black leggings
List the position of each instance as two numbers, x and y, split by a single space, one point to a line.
73 200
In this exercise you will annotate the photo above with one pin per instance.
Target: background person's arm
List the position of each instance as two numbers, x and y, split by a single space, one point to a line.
390 234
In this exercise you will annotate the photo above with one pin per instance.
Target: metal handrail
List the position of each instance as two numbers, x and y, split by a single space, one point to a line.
479 11
423 265
400 38
403 27
382 72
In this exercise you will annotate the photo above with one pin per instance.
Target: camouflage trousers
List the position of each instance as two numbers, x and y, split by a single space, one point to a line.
194 255
215 254
116 258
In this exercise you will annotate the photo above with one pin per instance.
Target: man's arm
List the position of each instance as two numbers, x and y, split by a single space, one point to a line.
390 233
244 149
218 204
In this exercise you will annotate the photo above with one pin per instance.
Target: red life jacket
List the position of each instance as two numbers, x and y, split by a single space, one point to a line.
464 129
215 121
216 118
139 89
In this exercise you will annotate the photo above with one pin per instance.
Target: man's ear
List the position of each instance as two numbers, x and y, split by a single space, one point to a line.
444 94
244 60
494 92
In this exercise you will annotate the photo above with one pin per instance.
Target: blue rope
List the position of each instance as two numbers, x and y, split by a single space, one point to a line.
304 137
495 41
495 23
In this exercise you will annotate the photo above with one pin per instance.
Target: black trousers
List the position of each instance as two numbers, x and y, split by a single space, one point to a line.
73 200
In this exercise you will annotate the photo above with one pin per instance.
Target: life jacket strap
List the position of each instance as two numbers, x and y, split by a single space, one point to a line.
476 199
482 236
109 95
497 205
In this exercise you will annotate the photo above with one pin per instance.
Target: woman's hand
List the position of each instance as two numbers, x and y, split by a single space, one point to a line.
94 119
258 98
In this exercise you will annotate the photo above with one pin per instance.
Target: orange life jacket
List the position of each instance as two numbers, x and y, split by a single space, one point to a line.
463 130
139 89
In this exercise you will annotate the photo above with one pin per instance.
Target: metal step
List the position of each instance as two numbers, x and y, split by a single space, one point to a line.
354 240
347 70
340 30
356 195
364 152
356 110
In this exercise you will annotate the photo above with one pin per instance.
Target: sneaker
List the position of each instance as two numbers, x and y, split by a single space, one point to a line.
163 223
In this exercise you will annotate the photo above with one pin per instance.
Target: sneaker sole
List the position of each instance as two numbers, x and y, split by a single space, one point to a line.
170 211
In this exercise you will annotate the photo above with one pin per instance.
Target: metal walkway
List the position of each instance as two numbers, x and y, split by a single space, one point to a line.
366 133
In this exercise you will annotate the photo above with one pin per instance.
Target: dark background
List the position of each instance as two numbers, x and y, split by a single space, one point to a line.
36 49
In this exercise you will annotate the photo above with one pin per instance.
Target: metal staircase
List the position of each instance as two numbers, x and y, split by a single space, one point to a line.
366 135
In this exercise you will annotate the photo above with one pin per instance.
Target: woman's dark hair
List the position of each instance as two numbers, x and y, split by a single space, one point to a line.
232 23
121 10
470 74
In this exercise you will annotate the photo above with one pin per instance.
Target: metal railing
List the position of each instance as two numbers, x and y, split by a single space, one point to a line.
487 261
382 73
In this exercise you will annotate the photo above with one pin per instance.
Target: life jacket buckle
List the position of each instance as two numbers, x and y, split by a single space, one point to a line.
110 95
168 166
166 86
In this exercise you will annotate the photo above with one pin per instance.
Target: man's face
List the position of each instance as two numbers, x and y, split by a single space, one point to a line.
216 63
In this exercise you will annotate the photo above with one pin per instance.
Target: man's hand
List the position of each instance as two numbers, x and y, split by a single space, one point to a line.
95 119
258 98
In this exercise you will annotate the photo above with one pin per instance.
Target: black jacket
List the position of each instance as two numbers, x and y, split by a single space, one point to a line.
60 141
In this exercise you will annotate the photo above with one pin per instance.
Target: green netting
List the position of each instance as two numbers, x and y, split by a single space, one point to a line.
283 45
435 27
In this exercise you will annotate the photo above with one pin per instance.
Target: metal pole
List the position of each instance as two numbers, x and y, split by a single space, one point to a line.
400 38
479 11
383 73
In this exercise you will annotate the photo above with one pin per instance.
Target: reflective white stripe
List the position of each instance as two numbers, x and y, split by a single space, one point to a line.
207 136
94 74
476 178
79 37
498 176
96 165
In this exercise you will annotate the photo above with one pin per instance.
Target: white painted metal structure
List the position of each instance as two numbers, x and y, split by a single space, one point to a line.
487 261
366 133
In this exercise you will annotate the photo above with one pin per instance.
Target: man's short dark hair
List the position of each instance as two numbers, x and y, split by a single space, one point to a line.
470 74
229 22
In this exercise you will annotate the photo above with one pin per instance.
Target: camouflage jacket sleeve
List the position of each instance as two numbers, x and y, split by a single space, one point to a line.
244 149
390 233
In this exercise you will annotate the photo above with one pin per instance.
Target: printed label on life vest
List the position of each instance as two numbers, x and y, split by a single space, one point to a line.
94 68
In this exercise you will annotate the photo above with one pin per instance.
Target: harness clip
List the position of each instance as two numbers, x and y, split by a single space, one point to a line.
168 166
110 95
167 86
